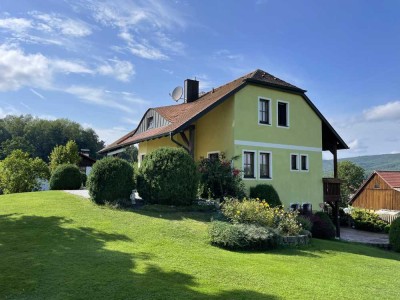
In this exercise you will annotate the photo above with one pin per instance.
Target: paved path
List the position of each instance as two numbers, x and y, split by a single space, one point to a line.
365 237
82 193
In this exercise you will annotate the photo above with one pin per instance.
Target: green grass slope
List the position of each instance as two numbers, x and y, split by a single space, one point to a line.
58 246
383 162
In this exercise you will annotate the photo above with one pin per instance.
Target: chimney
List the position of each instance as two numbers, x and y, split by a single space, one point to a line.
191 90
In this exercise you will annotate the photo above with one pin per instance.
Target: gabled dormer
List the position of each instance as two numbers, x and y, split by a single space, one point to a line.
151 119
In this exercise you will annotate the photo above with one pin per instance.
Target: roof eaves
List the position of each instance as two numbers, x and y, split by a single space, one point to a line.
207 109
353 198
276 85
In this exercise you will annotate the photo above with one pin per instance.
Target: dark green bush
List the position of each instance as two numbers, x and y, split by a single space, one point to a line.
110 181
242 236
83 178
367 220
394 235
66 177
266 192
168 176
322 226
305 222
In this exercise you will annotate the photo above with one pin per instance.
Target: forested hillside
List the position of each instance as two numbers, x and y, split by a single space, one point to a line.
387 162
38 137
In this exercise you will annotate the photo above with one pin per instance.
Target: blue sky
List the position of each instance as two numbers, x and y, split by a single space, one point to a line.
103 63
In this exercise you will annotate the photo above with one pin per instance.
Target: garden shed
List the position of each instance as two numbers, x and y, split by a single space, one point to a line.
380 191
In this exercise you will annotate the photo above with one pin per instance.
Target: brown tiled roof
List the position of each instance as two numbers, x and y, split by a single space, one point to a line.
182 115
392 178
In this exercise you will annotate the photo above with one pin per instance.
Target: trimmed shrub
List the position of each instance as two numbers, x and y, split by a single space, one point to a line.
322 226
242 236
266 192
367 220
168 176
259 212
66 177
394 235
110 181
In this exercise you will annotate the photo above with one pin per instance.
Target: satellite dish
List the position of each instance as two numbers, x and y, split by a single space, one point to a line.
177 93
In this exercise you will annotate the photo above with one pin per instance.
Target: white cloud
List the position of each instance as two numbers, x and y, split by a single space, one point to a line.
385 112
58 24
119 69
37 94
15 24
96 96
143 26
20 69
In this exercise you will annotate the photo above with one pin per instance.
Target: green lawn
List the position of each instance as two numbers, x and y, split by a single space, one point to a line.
58 246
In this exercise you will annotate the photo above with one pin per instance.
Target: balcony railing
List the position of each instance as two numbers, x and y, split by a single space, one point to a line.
331 189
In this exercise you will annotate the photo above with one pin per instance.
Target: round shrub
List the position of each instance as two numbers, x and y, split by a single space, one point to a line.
394 235
66 177
322 226
168 176
266 192
242 236
110 181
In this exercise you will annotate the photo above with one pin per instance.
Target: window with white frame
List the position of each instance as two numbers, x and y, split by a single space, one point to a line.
265 165
304 162
248 164
294 162
264 111
283 114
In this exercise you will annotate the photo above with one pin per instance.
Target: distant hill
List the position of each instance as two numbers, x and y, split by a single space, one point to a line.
387 162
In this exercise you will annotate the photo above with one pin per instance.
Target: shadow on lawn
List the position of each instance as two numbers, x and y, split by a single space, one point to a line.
175 213
318 248
43 257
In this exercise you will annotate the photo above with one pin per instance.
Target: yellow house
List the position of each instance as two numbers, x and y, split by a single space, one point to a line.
272 125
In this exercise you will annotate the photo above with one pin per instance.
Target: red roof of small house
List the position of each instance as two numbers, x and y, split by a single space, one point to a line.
180 116
392 178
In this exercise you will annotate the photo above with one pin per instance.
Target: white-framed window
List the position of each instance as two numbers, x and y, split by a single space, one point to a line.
304 162
265 165
249 164
294 162
149 123
282 114
264 111
213 155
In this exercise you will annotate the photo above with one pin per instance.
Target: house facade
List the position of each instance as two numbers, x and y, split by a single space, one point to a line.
380 191
271 125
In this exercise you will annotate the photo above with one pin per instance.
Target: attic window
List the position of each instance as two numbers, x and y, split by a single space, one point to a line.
149 123
377 185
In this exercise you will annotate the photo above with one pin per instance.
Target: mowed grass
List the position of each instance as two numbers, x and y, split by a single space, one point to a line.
57 246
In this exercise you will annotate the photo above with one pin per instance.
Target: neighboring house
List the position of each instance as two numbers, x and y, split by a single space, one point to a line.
272 125
86 162
380 191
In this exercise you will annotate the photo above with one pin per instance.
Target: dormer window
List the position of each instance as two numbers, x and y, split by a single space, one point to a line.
149 123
